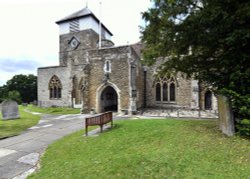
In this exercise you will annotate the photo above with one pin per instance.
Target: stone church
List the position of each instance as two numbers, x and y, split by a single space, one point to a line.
101 77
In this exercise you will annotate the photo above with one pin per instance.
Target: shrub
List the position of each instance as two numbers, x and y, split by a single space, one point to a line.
244 127
15 96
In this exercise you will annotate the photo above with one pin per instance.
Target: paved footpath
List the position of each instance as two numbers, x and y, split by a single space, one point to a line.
19 155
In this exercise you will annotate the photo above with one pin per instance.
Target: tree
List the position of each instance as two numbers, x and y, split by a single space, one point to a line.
3 93
206 39
14 95
26 85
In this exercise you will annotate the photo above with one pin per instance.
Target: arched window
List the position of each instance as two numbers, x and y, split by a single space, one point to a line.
55 88
208 100
107 66
172 92
165 91
158 92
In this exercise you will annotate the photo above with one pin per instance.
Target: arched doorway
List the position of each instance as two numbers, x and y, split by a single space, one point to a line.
109 99
208 100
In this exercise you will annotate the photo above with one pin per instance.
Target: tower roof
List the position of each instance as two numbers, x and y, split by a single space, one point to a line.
81 14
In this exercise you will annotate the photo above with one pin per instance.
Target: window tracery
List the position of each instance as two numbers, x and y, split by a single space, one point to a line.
165 89
55 88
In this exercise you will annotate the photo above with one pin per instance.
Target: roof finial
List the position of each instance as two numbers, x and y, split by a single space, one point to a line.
86 3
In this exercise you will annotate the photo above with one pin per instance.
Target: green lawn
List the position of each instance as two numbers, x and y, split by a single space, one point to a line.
10 128
55 110
149 149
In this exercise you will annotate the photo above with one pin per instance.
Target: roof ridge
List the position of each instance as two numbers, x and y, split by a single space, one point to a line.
80 13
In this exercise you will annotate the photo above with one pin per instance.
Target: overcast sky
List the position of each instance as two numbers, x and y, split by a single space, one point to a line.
29 37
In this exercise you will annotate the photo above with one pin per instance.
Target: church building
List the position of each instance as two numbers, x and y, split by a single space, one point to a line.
95 75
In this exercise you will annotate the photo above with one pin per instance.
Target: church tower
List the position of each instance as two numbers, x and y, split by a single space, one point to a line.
89 76
78 32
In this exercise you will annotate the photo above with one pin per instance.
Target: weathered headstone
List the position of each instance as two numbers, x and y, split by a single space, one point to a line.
9 110
35 102
226 119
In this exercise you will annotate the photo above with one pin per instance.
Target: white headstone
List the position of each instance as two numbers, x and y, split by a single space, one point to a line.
9 110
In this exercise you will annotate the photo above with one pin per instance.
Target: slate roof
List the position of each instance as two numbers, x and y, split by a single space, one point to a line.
138 48
80 14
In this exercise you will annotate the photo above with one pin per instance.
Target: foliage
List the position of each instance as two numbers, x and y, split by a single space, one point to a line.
149 149
10 128
208 40
3 93
54 110
244 127
26 85
14 95
241 109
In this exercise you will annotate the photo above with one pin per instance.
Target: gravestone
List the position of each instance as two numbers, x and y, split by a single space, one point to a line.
9 110
35 102
226 118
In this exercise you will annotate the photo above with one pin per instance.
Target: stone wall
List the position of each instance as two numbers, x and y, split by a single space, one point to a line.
150 91
139 79
87 39
44 75
119 75
183 88
195 94
80 77
184 91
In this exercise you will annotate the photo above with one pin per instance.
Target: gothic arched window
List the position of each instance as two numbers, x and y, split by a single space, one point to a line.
172 92
165 91
55 88
158 92
208 100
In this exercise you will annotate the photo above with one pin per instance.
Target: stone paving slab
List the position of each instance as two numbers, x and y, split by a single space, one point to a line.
178 113
25 174
30 159
12 169
28 146
4 152
19 139
12 157
44 138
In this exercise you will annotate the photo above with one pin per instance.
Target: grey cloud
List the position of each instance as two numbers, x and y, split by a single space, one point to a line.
15 65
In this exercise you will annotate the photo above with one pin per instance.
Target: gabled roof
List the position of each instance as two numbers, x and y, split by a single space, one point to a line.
80 14
138 48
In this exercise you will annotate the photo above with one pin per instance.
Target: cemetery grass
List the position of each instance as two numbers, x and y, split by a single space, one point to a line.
52 110
10 128
149 149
